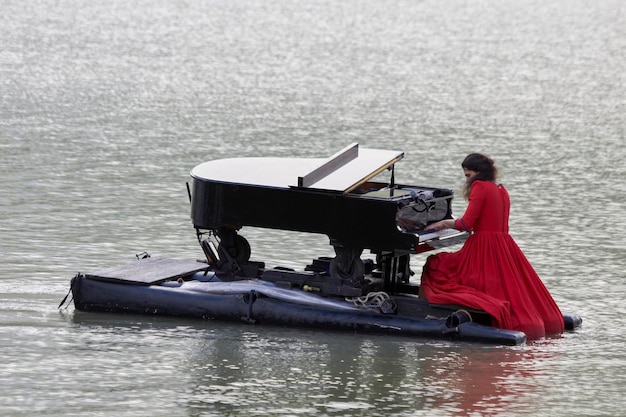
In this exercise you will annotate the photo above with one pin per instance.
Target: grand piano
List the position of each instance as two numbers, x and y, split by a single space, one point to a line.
341 197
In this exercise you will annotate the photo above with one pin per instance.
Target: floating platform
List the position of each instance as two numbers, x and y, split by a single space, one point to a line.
162 286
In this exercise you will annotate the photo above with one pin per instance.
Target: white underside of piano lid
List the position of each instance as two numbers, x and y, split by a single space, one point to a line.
284 172
267 172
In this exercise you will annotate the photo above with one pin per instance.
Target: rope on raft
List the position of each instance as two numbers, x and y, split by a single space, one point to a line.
378 301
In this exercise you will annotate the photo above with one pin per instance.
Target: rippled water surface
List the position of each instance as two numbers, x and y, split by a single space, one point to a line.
106 106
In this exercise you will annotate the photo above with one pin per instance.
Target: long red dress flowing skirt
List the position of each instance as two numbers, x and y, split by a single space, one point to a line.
491 273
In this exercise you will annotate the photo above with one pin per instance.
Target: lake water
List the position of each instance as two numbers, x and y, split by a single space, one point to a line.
106 106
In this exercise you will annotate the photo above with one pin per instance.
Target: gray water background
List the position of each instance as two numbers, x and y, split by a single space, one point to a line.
106 106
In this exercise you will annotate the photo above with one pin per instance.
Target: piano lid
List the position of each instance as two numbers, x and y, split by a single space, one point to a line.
344 171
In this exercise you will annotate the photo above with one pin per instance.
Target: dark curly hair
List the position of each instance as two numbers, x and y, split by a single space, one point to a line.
483 165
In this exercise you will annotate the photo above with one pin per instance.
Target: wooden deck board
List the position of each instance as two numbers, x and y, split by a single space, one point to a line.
148 271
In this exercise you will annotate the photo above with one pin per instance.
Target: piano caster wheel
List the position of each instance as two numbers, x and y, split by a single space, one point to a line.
354 272
239 249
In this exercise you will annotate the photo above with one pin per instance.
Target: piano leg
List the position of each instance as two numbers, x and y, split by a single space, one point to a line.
231 255
347 264
396 270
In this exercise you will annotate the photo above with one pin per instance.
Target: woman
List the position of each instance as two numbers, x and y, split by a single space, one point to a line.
490 272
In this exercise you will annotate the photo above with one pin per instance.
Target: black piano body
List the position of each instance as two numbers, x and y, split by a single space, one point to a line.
337 196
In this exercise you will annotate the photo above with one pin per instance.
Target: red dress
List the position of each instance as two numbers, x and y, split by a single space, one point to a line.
490 272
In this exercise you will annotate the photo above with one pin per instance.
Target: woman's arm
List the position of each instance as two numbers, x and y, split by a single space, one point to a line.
474 208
